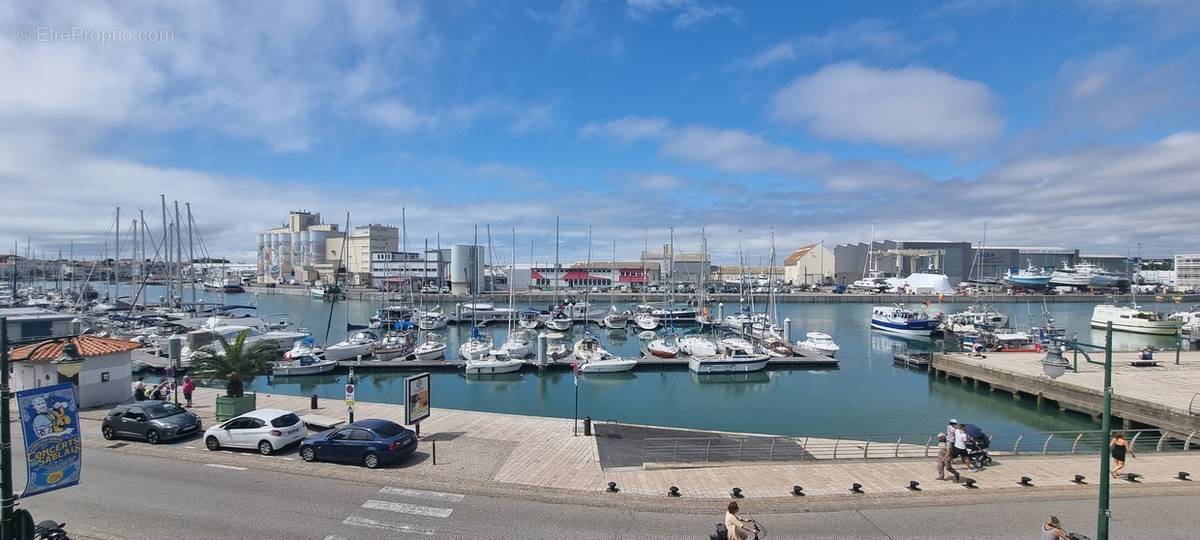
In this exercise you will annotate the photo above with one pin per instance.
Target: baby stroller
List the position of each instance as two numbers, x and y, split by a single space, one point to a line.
977 445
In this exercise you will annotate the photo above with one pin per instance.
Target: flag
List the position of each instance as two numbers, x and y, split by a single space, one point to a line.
575 372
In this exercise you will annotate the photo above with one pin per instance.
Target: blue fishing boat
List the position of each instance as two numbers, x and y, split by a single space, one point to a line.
900 320
1029 278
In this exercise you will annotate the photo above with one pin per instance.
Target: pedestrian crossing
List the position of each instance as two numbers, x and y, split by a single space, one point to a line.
398 511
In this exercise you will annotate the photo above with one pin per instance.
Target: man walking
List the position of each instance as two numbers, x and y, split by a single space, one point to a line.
945 459
960 445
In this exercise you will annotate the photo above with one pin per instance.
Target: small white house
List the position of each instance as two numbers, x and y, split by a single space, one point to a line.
104 377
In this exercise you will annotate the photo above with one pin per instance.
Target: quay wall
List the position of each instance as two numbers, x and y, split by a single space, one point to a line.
1084 398
545 297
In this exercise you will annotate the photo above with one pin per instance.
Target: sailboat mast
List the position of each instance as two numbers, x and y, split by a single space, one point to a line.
645 246
192 256
587 272
512 274
612 287
179 253
166 244
557 265
117 259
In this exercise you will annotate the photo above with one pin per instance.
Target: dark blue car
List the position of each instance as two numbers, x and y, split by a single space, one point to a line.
368 442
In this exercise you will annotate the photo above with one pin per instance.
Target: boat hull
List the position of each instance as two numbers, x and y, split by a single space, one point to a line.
1158 328
727 365
614 365
313 369
492 367
913 328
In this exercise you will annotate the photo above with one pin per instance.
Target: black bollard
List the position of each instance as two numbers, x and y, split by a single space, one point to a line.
312 404
587 426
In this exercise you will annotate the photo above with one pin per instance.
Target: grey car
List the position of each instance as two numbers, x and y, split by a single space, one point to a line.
152 421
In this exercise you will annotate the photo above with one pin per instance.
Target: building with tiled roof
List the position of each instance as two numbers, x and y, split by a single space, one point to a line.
101 368
809 264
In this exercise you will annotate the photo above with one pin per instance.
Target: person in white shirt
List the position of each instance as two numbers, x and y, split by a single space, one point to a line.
960 446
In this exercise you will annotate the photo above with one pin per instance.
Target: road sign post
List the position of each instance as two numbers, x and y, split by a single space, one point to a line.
350 397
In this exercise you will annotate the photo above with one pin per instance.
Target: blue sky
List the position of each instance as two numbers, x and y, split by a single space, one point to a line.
1055 122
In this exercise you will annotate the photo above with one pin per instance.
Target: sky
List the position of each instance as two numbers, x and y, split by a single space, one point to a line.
1072 123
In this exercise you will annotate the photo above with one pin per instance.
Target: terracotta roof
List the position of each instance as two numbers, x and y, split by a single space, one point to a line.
88 346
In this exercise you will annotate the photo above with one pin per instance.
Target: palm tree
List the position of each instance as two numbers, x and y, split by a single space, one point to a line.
235 363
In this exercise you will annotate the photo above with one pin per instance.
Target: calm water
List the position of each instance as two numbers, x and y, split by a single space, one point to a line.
866 394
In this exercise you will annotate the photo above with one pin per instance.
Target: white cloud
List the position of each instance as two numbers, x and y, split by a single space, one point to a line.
1117 89
394 114
780 52
913 107
535 118
658 181
736 151
627 129
871 37
686 13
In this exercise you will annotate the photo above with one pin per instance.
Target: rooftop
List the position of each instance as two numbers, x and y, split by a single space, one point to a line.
800 252
33 314
88 346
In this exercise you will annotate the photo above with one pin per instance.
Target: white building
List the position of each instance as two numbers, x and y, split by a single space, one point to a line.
104 377
296 251
395 269
1187 271
810 264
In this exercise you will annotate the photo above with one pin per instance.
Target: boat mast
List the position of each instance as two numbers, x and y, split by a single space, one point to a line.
117 259
645 246
142 259
512 273
557 265
192 258
179 254
612 288
587 273
773 316
166 244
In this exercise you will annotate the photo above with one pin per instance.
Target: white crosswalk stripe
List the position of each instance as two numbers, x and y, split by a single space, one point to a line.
405 508
332 537
420 494
358 521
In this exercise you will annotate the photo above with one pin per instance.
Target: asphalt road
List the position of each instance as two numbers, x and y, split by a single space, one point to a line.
131 496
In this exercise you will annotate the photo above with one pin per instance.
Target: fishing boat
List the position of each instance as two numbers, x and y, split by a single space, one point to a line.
819 343
304 364
225 284
326 292
899 320
697 345
1029 278
358 345
976 317
1134 319
433 348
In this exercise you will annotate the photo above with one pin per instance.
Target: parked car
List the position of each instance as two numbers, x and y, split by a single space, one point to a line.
265 429
152 421
370 443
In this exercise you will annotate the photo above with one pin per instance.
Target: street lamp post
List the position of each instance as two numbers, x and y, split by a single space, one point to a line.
1054 365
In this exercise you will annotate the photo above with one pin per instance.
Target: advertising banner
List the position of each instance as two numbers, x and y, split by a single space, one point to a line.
416 403
53 447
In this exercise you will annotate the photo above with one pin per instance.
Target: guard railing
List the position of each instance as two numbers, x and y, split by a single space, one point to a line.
766 449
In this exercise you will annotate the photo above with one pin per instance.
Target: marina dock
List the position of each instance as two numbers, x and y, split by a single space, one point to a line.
644 363
1166 396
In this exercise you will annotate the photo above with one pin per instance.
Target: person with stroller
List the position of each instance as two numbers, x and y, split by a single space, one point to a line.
1052 530
960 446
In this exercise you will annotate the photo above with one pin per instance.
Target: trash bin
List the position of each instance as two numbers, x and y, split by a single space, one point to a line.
313 402
587 426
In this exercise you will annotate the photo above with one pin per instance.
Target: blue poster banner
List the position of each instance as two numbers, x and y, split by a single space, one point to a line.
53 447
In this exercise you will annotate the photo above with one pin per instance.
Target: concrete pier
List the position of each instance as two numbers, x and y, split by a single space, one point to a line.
1166 396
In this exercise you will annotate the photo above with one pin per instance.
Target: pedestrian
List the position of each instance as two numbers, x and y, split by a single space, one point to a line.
1119 446
164 390
960 446
945 459
950 429
139 390
188 387
1052 530
736 527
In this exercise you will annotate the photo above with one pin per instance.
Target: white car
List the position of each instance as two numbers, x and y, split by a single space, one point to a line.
264 429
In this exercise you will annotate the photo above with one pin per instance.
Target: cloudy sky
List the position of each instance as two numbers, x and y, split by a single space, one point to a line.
1073 123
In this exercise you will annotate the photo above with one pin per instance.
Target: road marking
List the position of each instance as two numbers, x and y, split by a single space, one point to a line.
189 447
420 494
332 537
219 466
288 458
405 508
356 521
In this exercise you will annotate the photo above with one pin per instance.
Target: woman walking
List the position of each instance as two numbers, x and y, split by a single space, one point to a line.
1119 446
188 387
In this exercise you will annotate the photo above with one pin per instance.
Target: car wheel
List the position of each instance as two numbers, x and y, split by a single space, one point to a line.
212 443
108 432
371 461
152 436
265 448
308 454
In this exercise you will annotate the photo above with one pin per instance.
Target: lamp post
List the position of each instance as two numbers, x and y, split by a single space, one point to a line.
1054 366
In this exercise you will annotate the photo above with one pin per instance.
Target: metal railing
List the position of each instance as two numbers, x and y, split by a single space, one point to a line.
1192 408
766 449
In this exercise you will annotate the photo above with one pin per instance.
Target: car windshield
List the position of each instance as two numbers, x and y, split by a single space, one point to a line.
286 420
163 410
388 430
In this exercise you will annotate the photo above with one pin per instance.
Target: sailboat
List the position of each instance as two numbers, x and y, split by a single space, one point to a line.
873 280
477 347
518 343
615 319
644 318
481 358
667 346
558 320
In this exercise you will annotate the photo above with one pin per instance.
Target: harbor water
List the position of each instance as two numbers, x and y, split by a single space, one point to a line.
865 394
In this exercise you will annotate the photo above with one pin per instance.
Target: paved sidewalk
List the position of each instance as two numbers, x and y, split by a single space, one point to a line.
536 454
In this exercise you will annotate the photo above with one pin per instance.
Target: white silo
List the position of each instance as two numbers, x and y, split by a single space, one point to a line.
466 269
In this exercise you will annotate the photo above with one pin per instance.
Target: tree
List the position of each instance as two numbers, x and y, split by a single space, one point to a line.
235 363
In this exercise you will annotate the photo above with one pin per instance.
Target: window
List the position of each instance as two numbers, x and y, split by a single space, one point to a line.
362 435
36 329
342 435
286 420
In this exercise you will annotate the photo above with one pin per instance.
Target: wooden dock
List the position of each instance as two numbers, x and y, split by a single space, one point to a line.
1166 396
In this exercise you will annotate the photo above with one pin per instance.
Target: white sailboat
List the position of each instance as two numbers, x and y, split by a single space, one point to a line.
433 319
697 345
396 344
433 348
488 361
518 343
